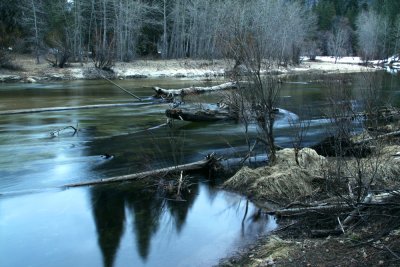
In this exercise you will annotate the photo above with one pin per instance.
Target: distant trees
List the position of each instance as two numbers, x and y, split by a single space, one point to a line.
275 30
110 30
194 27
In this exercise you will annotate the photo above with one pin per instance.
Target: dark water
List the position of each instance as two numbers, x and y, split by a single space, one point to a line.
128 224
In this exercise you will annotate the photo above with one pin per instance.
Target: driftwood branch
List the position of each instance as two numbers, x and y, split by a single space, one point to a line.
137 176
57 132
193 90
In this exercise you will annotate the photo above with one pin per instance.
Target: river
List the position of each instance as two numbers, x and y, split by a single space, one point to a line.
129 224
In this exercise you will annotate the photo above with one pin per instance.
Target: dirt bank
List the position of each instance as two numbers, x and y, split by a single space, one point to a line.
183 68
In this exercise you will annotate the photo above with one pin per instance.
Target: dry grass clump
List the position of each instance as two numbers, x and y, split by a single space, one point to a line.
389 170
285 180
382 167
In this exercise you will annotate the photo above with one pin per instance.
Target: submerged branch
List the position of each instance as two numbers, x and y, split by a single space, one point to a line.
57 132
38 110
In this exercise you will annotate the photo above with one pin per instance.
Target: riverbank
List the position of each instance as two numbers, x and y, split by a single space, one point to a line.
368 243
28 71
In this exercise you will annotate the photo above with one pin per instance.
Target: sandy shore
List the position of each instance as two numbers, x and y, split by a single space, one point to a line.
183 68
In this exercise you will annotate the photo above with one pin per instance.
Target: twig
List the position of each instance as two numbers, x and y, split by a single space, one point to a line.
126 91
391 252
340 224
250 151
180 184
296 203
284 227
175 200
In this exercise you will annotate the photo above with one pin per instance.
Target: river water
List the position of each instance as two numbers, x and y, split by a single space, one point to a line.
128 224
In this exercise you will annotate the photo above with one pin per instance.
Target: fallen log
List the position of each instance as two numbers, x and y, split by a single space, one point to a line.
38 110
381 136
161 92
206 115
301 211
198 165
369 200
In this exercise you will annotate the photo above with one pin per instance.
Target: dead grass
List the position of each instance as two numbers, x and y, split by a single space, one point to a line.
288 182
285 180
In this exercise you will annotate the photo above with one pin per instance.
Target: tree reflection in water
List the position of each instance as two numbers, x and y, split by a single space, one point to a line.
109 216
146 207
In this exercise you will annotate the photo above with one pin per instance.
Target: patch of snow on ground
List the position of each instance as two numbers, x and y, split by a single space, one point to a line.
342 60
77 73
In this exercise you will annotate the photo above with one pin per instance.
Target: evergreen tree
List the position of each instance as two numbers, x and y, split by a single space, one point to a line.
326 12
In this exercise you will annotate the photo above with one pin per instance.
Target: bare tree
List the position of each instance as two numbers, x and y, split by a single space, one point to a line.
352 142
34 20
371 34
396 37
339 40
299 128
258 36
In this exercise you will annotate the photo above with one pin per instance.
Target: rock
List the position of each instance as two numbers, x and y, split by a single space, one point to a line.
308 158
136 76
30 80
179 75
10 78
56 77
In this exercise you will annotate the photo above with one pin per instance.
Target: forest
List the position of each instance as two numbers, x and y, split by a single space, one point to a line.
124 30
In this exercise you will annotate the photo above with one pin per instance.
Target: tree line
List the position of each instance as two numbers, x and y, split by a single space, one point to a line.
123 30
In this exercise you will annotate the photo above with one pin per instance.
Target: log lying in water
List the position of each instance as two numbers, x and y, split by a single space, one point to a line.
198 165
193 90
199 115
37 110
327 146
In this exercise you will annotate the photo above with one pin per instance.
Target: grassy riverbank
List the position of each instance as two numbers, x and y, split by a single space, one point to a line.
372 239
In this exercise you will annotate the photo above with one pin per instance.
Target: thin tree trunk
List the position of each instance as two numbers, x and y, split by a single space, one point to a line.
36 32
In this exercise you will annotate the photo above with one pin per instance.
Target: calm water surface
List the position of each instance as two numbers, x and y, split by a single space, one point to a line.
128 224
